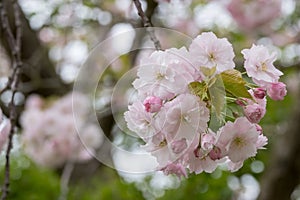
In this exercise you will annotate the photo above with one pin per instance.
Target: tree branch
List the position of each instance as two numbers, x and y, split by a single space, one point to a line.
15 49
147 23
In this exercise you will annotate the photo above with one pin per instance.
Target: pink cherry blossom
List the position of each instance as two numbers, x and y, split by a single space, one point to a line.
261 142
184 117
234 166
152 104
165 74
175 168
139 120
209 51
178 124
174 123
259 64
238 140
200 161
277 91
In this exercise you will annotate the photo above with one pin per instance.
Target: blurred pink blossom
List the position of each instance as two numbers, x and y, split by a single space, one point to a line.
52 136
253 14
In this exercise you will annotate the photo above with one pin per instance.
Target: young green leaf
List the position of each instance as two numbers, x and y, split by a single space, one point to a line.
235 84
217 96
199 89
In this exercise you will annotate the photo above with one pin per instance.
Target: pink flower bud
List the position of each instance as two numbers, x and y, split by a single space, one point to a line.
152 104
277 91
215 153
240 102
207 141
179 145
254 112
259 129
259 93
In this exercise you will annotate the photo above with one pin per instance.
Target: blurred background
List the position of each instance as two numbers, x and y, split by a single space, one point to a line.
58 36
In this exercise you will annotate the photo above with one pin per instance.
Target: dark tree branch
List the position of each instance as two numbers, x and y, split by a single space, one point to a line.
15 49
36 63
147 23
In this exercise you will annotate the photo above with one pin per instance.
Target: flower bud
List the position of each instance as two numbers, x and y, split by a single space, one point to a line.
215 153
254 112
259 129
277 91
152 104
179 145
207 141
240 102
259 93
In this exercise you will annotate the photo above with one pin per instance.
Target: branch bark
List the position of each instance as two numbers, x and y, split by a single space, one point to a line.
147 23
37 66
14 41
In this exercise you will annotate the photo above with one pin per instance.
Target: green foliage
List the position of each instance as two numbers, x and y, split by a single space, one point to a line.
199 89
32 182
202 186
217 95
105 184
234 84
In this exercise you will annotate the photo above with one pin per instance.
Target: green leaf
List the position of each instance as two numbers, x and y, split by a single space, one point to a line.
199 89
235 84
217 96
208 71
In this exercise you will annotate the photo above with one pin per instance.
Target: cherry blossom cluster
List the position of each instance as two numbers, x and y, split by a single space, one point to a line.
5 127
51 136
177 101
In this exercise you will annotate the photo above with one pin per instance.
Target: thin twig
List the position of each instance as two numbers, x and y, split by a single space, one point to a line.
15 48
147 23
64 181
